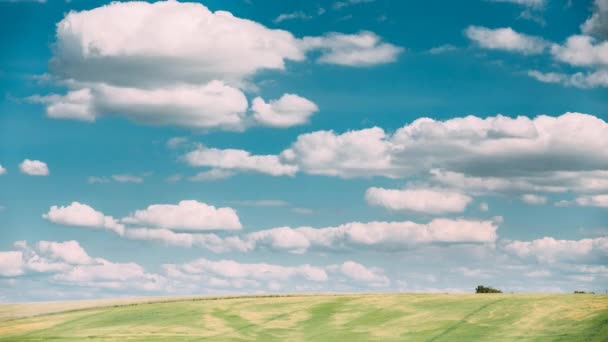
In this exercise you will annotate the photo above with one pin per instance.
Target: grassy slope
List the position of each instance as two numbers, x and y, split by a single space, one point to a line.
382 317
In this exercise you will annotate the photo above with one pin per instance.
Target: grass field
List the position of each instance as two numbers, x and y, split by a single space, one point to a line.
382 317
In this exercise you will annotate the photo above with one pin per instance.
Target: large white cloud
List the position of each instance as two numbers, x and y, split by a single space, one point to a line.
139 43
178 63
373 235
364 152
68 263
34 168
238 160
78 214
551 250
433 201
505 39
581 50
186 215
288 110
209 105
494 146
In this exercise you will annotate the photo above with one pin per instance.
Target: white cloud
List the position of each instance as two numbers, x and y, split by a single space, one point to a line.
232 270
593 201
498 148
579 79
2 170
597 24
505 39
362 49
68 251
580 50
186 215
211 175
11 263
34 168
356 153
180 64
289 110
140 43
176 142
347 3
77 214
360 273
551 250
211 105
68 263
238 160
119 178
291 16
442 49
527 3
126 178
374 235
432 201
533 199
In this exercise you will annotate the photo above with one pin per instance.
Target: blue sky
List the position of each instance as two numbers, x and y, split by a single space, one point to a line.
262 146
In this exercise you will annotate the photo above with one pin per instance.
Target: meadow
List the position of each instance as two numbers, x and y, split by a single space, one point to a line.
352 317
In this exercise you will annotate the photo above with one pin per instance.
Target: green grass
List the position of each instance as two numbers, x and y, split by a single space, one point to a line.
381 317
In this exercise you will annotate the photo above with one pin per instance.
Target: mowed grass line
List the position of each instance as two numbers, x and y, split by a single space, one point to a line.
351 317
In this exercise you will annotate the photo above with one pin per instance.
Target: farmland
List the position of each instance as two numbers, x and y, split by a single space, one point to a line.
382 317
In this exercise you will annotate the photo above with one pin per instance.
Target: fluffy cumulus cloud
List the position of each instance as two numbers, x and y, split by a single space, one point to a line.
214 104
288 110
551 250
68 251
82 215
505 39
181 64
2 170
68 263
186 215
432 201
238 160
501 147
362 49
373 235
581 50
34 168
356 153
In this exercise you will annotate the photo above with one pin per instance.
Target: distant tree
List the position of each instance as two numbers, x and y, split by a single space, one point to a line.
583 292
486 289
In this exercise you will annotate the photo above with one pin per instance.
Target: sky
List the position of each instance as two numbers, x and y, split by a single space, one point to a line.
172 147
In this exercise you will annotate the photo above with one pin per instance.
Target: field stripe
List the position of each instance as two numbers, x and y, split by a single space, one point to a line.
464 319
